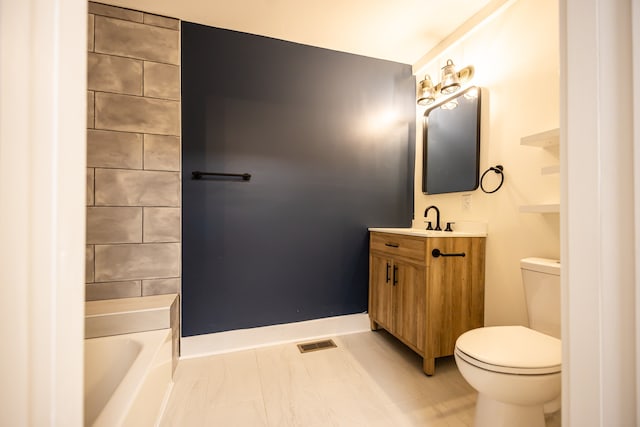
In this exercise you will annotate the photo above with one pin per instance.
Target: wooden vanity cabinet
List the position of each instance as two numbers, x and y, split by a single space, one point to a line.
426 302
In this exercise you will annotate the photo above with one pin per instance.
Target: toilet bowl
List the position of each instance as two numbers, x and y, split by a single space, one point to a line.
517 370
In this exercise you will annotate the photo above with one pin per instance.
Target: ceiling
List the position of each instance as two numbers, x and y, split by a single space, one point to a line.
396 30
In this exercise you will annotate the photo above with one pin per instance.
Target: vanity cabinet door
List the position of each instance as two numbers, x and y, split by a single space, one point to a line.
381 292
397 299
409 297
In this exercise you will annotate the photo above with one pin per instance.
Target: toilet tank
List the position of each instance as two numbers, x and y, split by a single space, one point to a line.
541 280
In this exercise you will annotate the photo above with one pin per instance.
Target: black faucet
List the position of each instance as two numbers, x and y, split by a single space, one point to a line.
426 211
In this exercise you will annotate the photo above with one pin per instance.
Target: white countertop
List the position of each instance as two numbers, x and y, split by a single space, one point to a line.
429 233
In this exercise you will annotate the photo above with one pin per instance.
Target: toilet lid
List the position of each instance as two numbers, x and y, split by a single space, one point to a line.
511 349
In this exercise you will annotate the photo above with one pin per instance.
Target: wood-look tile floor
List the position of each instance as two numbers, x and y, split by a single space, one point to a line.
370 379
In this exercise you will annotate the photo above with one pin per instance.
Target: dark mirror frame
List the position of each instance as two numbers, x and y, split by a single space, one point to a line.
451 145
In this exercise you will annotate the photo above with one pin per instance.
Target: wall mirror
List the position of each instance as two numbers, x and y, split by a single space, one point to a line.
451 132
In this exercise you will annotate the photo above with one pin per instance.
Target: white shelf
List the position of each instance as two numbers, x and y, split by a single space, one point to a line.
541 208
550 170
548 138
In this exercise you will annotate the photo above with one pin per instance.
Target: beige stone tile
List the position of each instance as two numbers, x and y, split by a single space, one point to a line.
133 40
112 290
208 390
355 403
283 363
293 396
161 21
458 410
135 114
90 32
111 149
161 225
91 109
162 152
186 405
116 187
132 262
161 80
115 12
421 412
245 413
393 364
88 264
108 73
330 365
234 379
195 369
161 286
107 225
90 186
288 390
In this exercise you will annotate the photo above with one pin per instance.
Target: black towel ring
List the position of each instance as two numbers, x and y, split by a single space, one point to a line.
497 169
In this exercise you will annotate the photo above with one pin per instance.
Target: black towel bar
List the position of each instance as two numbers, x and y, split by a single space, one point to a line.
198 175
436 253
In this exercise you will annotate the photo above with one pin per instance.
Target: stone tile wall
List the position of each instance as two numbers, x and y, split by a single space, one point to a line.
133 154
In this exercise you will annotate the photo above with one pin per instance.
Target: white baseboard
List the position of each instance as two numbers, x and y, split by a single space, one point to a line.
243 339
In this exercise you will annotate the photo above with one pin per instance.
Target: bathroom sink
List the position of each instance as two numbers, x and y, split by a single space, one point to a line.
430 233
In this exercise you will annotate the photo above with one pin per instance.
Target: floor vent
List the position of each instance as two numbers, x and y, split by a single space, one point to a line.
316 345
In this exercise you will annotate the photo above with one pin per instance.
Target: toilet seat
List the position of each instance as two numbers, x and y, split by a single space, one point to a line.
510 350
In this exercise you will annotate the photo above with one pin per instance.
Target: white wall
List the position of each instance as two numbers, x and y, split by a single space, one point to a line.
516 58
600 212
42 188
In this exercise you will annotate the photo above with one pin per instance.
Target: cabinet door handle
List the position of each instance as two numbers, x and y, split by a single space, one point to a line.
388 267
395 275
392 245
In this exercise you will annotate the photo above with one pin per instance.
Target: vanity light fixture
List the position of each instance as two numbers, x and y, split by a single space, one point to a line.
451 82
427 92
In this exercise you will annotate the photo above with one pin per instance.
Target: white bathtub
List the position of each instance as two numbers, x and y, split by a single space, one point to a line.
127 378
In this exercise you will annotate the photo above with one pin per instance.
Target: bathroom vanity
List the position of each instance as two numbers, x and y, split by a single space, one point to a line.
423 290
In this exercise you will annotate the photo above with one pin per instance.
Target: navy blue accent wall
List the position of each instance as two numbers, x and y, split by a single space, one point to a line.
329 140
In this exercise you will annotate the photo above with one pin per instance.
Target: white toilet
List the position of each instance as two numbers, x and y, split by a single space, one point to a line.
516 370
